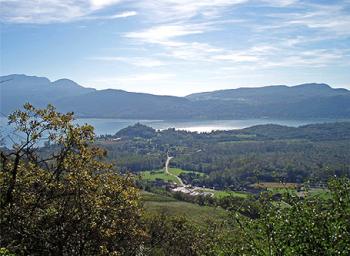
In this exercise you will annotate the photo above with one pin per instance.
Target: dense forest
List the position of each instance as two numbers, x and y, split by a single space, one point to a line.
233 159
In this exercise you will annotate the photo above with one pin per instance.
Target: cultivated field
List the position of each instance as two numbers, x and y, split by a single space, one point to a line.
161 174
155 203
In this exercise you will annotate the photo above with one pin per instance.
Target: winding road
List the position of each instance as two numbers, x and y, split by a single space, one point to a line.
166 169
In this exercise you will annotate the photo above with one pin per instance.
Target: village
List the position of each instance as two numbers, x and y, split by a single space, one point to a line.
190 190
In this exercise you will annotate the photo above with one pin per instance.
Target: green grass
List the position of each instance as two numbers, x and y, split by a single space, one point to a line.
152 197
154 203
224 193
320 192
275 185
160 174
178 171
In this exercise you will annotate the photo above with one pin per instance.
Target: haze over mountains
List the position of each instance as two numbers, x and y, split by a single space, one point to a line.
300 101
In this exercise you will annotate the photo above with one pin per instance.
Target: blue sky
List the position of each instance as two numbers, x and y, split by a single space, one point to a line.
178 47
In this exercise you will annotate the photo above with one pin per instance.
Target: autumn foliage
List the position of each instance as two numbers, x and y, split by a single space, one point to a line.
66 200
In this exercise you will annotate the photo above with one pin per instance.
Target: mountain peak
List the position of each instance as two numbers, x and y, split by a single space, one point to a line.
278 101
21 78
64 82
313 86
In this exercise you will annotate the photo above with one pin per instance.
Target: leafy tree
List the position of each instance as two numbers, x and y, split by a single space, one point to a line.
63 199
176 235
309 226
5 252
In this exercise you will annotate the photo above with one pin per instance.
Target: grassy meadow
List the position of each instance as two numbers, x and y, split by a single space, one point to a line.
161 174
155 203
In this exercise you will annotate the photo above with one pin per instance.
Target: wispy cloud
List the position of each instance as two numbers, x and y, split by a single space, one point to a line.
175 10
280 3
211 35
55 11
192 51
172 38
314 58
136 61
120 15
147 77
327 18
237 57
156 83
164 34
32 11
124 14
98 4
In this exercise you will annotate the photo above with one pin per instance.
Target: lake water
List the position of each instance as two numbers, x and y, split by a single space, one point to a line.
111 126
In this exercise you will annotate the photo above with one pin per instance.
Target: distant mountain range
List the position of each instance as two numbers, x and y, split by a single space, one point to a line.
280 101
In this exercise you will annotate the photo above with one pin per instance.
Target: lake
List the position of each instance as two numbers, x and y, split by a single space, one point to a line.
111 126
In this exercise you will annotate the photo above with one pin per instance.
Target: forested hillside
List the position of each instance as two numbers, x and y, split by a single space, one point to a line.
238 158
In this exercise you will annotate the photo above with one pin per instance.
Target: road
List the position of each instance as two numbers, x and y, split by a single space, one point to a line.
166 169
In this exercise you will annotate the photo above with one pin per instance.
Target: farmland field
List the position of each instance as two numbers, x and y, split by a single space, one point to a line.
155 203
280 188
160 174
276 185
178 171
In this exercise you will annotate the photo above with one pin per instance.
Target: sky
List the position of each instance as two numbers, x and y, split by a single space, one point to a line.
177 47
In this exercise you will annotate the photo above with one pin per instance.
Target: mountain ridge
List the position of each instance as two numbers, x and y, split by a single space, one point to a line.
307 100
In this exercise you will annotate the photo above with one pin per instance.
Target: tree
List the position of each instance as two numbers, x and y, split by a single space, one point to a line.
63 199
295 226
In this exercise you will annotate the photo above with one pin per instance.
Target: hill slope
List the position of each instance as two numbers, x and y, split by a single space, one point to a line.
15 90
271 94
302 101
